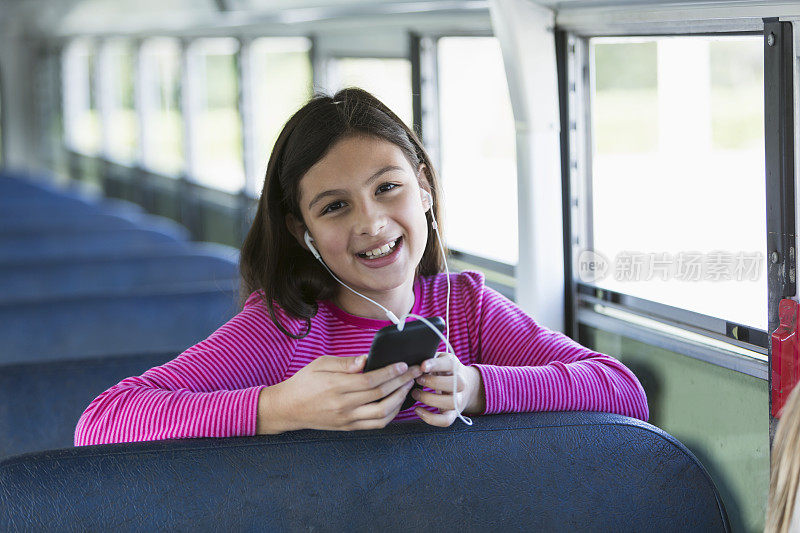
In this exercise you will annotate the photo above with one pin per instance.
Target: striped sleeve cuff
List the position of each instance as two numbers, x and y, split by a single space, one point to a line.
559 387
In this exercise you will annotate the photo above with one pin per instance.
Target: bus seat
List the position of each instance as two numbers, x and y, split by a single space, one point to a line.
72 203
17 248
15 186
57 221
87 224
40 403
115 324
72 277
570 471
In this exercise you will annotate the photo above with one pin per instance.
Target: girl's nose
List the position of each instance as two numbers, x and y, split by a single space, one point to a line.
371 220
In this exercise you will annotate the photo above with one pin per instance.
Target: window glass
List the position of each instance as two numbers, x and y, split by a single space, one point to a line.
388 79
122 131
160 71
216 125
82 120
677 170
478 150
282 81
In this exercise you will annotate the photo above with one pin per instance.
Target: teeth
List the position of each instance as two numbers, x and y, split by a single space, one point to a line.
379 252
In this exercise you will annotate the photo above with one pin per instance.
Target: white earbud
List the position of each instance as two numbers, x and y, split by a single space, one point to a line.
307 237
426 195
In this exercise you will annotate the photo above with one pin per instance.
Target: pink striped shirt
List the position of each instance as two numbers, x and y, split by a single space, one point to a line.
212 389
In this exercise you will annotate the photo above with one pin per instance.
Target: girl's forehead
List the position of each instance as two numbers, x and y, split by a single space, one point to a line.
350 162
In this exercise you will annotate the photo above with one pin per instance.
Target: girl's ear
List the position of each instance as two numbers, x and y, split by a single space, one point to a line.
296 228
422 177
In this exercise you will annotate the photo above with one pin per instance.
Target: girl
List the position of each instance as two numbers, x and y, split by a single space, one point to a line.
348 172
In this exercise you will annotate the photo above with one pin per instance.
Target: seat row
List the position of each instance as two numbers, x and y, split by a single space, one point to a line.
93 291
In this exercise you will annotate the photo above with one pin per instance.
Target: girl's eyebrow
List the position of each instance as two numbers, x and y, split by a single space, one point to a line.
337 192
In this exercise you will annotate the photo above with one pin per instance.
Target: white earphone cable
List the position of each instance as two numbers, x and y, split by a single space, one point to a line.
401 323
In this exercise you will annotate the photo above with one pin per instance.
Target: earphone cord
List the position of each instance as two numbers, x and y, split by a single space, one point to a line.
466 420
401 323
396 321
458 408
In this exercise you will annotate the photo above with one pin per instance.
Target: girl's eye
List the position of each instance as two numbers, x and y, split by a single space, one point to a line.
330 208
335 206
389 187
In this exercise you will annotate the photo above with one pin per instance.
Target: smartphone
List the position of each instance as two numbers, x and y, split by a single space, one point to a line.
413 345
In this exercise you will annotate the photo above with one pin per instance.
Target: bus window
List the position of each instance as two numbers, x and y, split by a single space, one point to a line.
677 172
478 152
388 79
281 81
216 126
81 118
160 71
120 126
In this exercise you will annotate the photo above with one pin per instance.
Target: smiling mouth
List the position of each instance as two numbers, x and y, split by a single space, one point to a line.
383 251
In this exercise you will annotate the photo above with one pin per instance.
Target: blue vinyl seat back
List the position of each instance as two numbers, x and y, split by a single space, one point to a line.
33 200
88 252
18 248
22 187
40 403
29 208
55 279
27 188
88 224
513 472
24 208
88 221
102 326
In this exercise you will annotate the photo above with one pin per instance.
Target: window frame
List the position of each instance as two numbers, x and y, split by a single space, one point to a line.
69 91
246 102
744 348
500 276
190 86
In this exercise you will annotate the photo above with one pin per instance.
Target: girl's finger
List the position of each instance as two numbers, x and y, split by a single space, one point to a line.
442 401
442 383
439 364
445 419
379 410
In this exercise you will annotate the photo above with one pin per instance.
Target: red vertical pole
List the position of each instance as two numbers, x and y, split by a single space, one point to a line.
785 353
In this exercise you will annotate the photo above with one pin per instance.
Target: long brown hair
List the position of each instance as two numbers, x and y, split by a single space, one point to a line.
272 260
785 467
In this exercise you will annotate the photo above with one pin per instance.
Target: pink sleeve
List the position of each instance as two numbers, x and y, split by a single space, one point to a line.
210 390
527 367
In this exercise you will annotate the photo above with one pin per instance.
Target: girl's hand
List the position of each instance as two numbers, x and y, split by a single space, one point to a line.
438 375
331 393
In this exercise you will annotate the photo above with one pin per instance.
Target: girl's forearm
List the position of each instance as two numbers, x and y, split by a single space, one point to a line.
270 418
135 411
602 384
477 401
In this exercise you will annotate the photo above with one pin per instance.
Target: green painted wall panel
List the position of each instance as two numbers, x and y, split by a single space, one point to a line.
719 414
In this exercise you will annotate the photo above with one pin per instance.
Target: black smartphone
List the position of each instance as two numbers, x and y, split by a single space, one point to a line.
413 345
